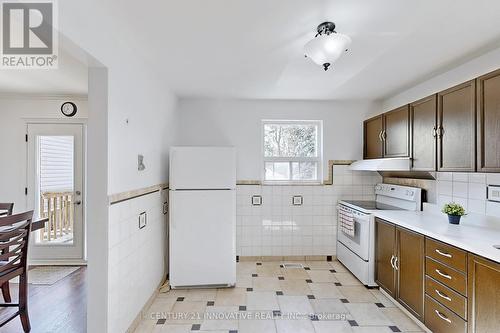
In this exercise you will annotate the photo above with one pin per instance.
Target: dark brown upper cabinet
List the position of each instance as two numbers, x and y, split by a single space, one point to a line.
387 135
488 122
424 133
373 128
395 136
456 130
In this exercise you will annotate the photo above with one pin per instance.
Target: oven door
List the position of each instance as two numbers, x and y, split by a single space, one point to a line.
360 242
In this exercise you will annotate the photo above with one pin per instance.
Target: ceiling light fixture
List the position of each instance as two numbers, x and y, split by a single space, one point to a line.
327 46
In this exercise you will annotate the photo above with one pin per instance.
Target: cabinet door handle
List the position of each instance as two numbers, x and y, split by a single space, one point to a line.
440 294
384 135
442 316
444 254
440 131
392 262
396 263
380 135
434 131
442 274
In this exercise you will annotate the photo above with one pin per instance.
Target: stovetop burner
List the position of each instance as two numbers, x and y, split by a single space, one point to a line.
371 205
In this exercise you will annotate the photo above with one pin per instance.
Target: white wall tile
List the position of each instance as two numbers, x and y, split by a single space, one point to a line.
460 190
477 191
279 228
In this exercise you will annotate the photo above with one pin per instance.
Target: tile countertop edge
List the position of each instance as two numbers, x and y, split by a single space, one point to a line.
476 233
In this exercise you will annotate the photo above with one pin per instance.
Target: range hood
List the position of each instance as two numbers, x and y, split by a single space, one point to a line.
382 164
399 167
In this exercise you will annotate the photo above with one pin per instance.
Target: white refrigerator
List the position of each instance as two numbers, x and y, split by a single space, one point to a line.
202 195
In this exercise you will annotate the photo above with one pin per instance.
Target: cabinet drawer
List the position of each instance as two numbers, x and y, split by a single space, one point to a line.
446 275
441 320
447 297
447 254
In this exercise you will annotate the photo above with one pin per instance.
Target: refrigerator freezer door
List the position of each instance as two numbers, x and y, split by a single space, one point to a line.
202 238
196 168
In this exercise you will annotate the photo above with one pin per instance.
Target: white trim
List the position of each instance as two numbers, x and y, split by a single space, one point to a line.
63 262
13 95
318 159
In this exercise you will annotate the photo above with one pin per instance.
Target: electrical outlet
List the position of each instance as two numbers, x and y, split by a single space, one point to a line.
142 220
165 208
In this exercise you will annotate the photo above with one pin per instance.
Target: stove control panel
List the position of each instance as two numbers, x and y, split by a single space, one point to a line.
398 191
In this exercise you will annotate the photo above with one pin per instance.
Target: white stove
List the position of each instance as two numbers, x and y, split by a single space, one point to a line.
356 226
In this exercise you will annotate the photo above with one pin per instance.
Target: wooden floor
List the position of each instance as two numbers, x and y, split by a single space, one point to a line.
61 307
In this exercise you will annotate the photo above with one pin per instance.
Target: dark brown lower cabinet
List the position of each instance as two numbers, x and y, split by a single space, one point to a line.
399 260
410 271
385 245
484 295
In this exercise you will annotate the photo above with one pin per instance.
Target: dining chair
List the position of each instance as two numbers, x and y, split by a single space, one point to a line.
6 210
14 240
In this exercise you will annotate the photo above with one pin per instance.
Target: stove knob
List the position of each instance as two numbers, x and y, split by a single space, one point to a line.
378 188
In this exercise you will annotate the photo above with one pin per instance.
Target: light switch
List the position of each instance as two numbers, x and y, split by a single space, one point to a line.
142 220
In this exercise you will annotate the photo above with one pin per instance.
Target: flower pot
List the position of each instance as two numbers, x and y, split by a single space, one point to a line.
454 219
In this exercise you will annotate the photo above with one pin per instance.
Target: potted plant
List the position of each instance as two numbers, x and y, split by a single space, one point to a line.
454 211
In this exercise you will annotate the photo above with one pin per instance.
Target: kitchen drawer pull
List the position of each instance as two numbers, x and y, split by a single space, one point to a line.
392 262
440 294
442 316
444 254
443 275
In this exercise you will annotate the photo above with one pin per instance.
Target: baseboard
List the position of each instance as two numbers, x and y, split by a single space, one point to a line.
408 313
288 258
140 315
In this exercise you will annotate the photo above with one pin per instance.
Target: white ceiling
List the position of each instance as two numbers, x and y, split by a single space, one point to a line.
253 48
70 78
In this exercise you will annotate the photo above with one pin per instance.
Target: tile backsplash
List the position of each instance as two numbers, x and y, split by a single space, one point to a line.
279 228
469 190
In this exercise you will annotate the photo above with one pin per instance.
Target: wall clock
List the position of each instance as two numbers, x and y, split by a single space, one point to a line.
68 109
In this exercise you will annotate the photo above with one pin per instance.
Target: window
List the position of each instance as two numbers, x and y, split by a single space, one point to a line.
292 151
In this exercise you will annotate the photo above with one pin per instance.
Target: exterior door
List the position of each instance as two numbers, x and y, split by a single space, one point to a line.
410 270
424 133
488 103
397 133
55 190
457 128
385 245
373 137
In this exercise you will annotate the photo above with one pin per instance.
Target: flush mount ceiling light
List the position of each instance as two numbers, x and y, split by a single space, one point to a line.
327 46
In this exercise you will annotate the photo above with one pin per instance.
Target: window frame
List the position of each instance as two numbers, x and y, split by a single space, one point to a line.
318 159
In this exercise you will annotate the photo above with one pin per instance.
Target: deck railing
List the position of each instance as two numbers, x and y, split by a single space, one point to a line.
58 207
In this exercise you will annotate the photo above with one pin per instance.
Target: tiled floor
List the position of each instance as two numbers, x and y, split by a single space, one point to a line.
320 297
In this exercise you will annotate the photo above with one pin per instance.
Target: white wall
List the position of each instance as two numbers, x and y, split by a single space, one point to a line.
134 92
238 123
467 71
15 112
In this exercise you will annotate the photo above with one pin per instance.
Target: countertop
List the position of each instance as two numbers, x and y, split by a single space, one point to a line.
476 233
